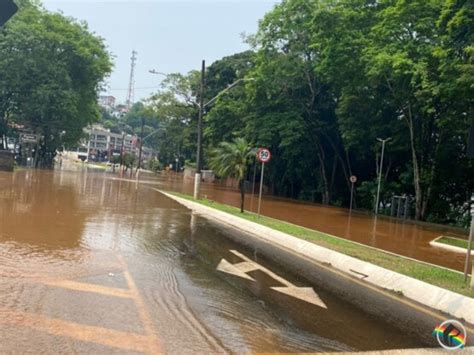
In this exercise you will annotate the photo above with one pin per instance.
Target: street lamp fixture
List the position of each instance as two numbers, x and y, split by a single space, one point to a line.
383 141
153 71
235 83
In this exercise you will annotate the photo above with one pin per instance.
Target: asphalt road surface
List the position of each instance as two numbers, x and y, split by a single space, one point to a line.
89 263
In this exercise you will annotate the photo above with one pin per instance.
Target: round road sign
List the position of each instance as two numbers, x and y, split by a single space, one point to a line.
264 155
353 179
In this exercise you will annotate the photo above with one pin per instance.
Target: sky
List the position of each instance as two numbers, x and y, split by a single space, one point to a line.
169 36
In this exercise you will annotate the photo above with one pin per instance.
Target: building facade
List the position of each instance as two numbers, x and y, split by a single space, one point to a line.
103 145
107 101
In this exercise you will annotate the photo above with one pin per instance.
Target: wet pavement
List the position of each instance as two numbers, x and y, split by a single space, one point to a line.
89 263
394 235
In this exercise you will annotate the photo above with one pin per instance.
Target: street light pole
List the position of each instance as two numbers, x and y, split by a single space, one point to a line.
197 176
380 173
202 106
121 154
141 146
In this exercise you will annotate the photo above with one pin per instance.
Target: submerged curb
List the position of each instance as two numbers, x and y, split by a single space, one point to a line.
376 277
454 248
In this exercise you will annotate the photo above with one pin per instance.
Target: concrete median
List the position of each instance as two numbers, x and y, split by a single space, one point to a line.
401 300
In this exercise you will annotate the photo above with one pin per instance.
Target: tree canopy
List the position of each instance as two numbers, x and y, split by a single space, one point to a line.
51 70
330 77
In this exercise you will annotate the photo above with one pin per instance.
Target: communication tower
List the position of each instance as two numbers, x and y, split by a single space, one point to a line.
131 84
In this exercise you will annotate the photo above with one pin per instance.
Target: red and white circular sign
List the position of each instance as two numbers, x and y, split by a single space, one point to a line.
353 179
264 155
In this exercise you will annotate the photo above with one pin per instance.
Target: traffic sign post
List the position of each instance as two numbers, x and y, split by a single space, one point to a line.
264 156
353 180
7 9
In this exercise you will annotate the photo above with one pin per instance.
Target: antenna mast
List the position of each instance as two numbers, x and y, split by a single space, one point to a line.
131 85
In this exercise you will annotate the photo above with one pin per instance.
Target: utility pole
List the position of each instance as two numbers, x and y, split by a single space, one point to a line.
131 83
139 164
121 154
197 177
89 143
380 173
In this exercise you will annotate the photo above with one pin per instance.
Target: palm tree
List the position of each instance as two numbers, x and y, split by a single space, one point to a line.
232 159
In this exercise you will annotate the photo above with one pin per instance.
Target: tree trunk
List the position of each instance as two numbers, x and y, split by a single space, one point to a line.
333 177
36 157
345 164
325 192
242 196
416 170
429 190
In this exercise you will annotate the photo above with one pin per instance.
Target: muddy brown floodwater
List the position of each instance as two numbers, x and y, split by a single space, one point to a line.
89 263
394 235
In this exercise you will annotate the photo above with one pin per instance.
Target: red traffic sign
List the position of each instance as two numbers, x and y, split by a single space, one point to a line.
7 9
353 179
264 155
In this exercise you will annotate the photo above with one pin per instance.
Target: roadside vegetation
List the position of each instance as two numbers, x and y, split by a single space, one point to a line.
330 77
52 68
437 276
232 159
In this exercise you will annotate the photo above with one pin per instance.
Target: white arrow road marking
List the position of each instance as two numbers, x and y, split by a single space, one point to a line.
306 294
228 268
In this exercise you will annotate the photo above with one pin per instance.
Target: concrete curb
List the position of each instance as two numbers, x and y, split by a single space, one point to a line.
376 277
449 247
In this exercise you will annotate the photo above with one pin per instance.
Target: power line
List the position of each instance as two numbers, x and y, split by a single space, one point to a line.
139 88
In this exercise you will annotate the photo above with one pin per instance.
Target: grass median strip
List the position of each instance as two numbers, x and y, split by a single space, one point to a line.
455 242
437 276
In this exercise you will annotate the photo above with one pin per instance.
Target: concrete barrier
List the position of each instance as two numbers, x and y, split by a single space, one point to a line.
405 302
7 161
453 248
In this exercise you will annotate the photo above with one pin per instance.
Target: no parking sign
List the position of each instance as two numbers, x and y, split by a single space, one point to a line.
264 156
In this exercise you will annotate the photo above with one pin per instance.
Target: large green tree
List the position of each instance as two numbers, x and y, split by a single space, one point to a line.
332 76
51 70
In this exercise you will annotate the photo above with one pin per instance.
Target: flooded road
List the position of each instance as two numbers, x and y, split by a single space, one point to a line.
396 236
89 263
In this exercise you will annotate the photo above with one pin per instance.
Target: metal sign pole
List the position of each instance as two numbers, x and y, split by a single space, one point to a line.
253 184
469 244
261 188
352 196
353 180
